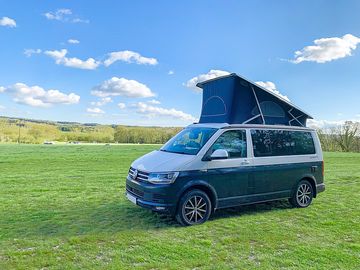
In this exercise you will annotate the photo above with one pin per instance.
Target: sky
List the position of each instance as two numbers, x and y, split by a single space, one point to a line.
137 62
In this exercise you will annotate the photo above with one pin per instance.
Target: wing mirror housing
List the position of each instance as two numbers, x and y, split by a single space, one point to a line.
219 154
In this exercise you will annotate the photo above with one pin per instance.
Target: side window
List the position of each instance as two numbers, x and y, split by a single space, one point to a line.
281 143
264 143
304 143
234 142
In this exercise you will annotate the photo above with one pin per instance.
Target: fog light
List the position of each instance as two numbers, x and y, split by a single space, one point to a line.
160 208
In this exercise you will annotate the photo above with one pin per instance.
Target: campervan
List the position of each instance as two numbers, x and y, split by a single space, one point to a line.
215 164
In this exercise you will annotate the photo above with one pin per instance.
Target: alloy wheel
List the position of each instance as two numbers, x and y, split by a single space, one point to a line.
194 209
303 195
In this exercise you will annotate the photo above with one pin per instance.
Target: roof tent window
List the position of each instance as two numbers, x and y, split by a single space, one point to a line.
215 105
269 109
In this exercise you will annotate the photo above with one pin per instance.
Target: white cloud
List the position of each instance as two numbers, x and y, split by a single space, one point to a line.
78 20
204 77
2 107
73 41
122 105
30 52
61 59
324 124
271 87
91 63
2 89
171 72
95 110
122 87
129 57
102 101
6 21
64 15
329 124
58 15
327 49
39 97
154 101
153 111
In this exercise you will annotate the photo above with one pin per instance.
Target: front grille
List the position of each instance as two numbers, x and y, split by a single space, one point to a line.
155 197
135 191
140 175
158 196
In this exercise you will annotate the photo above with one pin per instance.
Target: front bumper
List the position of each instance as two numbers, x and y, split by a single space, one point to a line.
150 196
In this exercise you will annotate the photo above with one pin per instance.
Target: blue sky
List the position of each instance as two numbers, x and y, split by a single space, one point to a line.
159 46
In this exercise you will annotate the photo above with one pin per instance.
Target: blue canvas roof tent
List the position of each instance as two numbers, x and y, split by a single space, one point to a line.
233 99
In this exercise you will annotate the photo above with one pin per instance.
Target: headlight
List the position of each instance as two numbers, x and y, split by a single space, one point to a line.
162 178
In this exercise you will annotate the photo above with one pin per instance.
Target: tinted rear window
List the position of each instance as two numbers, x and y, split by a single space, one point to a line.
281 143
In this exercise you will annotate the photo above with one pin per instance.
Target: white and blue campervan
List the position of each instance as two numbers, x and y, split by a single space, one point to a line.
249 146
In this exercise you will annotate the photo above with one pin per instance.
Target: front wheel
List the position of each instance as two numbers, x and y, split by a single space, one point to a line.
303 195
194 208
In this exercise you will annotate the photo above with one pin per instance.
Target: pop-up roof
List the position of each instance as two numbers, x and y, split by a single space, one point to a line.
235 100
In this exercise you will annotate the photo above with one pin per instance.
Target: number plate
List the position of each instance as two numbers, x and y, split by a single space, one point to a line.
131 198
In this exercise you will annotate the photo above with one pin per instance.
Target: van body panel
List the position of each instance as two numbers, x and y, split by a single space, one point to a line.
253 198
279 177
230 182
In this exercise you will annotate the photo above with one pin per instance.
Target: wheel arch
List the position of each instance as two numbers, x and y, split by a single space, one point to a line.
203 186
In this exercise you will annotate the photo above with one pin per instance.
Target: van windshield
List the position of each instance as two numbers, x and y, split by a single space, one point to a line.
189 141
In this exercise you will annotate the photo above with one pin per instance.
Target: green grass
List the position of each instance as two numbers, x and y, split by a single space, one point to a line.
63 207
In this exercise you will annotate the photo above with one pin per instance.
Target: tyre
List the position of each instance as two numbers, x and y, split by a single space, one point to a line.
194 208
303 194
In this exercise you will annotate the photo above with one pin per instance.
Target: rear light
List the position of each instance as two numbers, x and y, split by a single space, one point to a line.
322 168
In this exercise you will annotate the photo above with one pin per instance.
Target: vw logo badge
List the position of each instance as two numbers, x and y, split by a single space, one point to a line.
135 173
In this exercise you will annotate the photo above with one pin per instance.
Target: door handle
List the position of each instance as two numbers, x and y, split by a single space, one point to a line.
245 162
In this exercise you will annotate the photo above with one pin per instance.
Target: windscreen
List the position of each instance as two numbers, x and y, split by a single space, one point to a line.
189 141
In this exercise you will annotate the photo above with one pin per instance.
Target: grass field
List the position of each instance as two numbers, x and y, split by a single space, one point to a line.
63 207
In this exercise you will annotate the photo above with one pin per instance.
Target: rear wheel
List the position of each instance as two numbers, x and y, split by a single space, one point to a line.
303 195
194 208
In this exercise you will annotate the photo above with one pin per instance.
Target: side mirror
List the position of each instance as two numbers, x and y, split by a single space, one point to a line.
219 154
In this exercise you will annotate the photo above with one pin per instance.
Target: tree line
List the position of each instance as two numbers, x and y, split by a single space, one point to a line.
345 138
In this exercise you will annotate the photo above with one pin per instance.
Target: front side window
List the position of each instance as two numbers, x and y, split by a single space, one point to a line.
234 142
189 141
281 143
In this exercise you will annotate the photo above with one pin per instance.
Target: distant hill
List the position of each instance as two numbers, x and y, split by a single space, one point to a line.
46 121
26 130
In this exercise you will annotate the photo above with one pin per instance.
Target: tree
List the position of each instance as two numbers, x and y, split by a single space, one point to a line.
346 135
